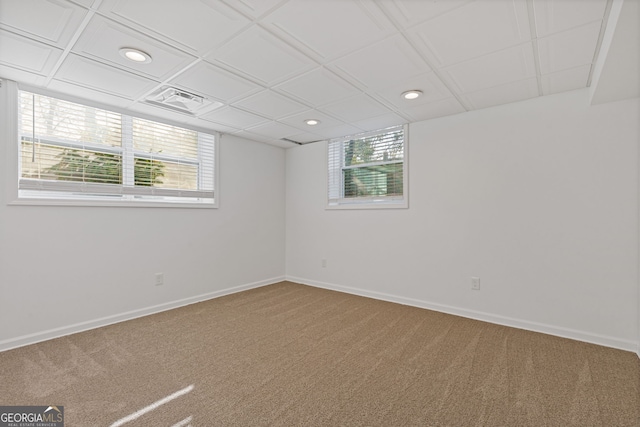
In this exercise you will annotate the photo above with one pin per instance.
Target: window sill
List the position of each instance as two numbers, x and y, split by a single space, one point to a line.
106 203
368 205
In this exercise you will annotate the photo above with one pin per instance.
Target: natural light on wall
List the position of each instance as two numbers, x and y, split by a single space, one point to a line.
69 151
368 170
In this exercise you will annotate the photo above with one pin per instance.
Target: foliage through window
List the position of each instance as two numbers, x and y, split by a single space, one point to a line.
78 152
368 170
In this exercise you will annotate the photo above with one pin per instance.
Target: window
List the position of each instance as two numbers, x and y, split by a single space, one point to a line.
74 152
368 170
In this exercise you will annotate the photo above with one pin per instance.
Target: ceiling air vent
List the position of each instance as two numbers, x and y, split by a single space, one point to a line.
181 101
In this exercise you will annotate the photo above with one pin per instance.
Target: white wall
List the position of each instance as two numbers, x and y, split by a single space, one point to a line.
539 199
64 269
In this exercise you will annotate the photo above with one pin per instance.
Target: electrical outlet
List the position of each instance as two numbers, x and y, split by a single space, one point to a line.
159 279
324 263
475 283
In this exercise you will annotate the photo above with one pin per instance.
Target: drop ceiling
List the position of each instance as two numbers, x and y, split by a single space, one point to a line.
268 65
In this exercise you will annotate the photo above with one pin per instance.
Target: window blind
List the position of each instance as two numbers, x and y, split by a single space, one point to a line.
73 151
367 168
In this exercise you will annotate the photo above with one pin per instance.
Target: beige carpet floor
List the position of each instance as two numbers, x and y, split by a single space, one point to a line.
293 355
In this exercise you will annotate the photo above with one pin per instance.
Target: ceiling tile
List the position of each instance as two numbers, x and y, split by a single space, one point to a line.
568 49
55 21
444 107
410 13
90 95
271 104
149 110
103 39
493 70
553 16
206 79
473 30
254 8
211 126
298 121
380 122
22 76
261 57
574 78
349 25
96 75
30 55
274 63
214 127
267 140
431 86
383 64
274 130
85 3
196 25
512 92
357 108
338 131
254 136
318 87
234 117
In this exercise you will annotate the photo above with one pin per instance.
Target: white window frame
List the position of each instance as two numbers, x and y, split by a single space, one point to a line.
391 202
9 103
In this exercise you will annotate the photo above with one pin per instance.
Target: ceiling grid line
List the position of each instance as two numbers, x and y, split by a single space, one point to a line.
166 81
73 41
603 28
440 76
264 66
434 69
534 43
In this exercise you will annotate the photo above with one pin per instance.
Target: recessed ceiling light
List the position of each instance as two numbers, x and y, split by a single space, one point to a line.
312 122
135 55
411 94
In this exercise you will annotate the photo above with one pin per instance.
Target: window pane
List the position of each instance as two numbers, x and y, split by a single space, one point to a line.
55 163
60 120
367 170
376 148
155 173
62 145
153 137
369 181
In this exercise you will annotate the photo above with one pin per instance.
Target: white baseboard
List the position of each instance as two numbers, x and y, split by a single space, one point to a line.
478 315
129 315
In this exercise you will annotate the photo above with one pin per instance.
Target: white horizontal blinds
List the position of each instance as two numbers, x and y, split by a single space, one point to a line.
367 167
71 150
172 161
206 155
335 165
164 156
65 141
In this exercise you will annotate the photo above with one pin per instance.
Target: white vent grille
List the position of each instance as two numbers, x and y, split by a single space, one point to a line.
179 100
